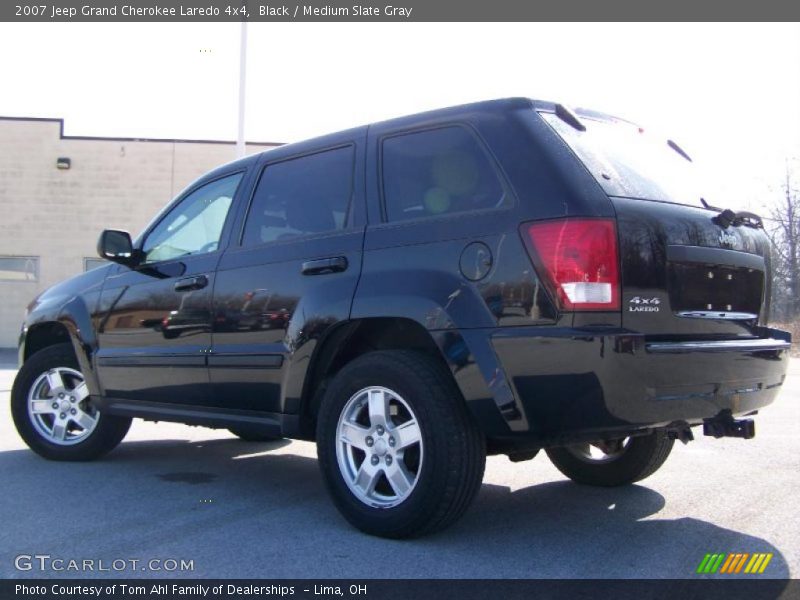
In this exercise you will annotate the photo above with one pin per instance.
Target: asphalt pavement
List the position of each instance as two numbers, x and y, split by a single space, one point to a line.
239 509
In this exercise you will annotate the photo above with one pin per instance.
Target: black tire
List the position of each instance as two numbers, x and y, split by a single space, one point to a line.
107 434
253 435
642 457
451 473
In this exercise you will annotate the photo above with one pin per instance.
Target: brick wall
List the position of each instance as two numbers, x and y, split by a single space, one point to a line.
57 215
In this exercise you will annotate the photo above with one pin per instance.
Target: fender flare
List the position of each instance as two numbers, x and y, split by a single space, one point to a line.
75 317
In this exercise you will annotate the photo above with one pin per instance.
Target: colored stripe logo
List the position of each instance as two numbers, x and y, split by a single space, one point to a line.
734 562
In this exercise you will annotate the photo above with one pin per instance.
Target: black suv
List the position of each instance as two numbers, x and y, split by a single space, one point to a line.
499 277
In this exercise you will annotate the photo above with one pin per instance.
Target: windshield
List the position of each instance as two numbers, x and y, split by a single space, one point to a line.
626 161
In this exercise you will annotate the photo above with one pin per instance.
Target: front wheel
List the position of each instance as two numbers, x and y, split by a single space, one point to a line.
615 462
53 413
398 450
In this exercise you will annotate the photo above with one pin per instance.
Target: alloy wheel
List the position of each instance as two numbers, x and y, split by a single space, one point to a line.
59 408
379 447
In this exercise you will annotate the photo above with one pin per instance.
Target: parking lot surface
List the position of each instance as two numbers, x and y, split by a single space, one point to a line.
238 509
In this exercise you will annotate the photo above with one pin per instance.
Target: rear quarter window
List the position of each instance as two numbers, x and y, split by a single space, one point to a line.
438 172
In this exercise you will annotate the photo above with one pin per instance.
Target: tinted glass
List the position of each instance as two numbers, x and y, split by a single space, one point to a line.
630 162
194 226
438 172
301 196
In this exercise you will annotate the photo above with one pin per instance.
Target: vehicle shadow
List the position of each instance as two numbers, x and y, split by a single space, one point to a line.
565 530
242 509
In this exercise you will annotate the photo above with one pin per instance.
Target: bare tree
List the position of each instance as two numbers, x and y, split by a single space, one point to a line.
784 232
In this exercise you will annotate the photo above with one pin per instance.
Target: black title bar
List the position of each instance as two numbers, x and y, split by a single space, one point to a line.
731 588
396 10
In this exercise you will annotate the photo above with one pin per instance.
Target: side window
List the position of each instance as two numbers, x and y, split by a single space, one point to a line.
435 172
194 226
310 194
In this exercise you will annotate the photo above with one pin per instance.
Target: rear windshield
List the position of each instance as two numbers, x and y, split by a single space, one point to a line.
629 162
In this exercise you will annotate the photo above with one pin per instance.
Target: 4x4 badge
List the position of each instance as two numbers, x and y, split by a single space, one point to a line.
643 304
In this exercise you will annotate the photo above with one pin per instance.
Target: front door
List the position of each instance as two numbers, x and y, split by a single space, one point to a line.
154 326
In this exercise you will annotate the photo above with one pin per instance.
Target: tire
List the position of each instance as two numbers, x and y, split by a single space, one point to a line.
434 479
639 458
253 435
77 430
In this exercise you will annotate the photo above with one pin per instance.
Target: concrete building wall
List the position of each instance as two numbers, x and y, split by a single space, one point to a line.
57 215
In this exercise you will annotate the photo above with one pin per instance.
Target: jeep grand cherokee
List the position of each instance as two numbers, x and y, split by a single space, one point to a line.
501 277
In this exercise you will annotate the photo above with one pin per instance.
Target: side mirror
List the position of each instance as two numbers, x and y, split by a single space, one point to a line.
116 246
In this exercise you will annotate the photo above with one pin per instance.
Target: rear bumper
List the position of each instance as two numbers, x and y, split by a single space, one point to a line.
573 381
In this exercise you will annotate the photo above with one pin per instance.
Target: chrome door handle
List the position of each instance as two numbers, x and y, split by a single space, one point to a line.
191 283
321 266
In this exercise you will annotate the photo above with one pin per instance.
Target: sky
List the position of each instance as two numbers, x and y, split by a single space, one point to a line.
727 93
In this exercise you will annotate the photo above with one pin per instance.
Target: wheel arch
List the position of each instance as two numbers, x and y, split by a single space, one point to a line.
352 339
71 324
42 335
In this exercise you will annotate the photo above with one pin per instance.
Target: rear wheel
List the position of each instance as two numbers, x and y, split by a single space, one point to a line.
400 455
53 413
613 462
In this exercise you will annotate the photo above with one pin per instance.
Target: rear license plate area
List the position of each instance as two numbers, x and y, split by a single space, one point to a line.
722 289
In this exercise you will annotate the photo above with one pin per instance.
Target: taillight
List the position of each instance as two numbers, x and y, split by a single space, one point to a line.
580 261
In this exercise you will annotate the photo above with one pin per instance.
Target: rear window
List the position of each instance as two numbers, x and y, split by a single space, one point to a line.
437 172
629 162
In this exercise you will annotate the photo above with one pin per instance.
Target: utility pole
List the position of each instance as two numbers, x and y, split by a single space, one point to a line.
240 147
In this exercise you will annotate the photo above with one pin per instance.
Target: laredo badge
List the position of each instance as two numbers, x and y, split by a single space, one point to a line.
642 304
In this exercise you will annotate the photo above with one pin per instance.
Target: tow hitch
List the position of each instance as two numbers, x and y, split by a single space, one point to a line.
724 425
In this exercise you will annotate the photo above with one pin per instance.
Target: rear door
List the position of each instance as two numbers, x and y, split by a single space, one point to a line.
289 276
686 271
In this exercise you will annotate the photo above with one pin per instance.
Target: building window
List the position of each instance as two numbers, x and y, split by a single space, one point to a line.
93 263
19 268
